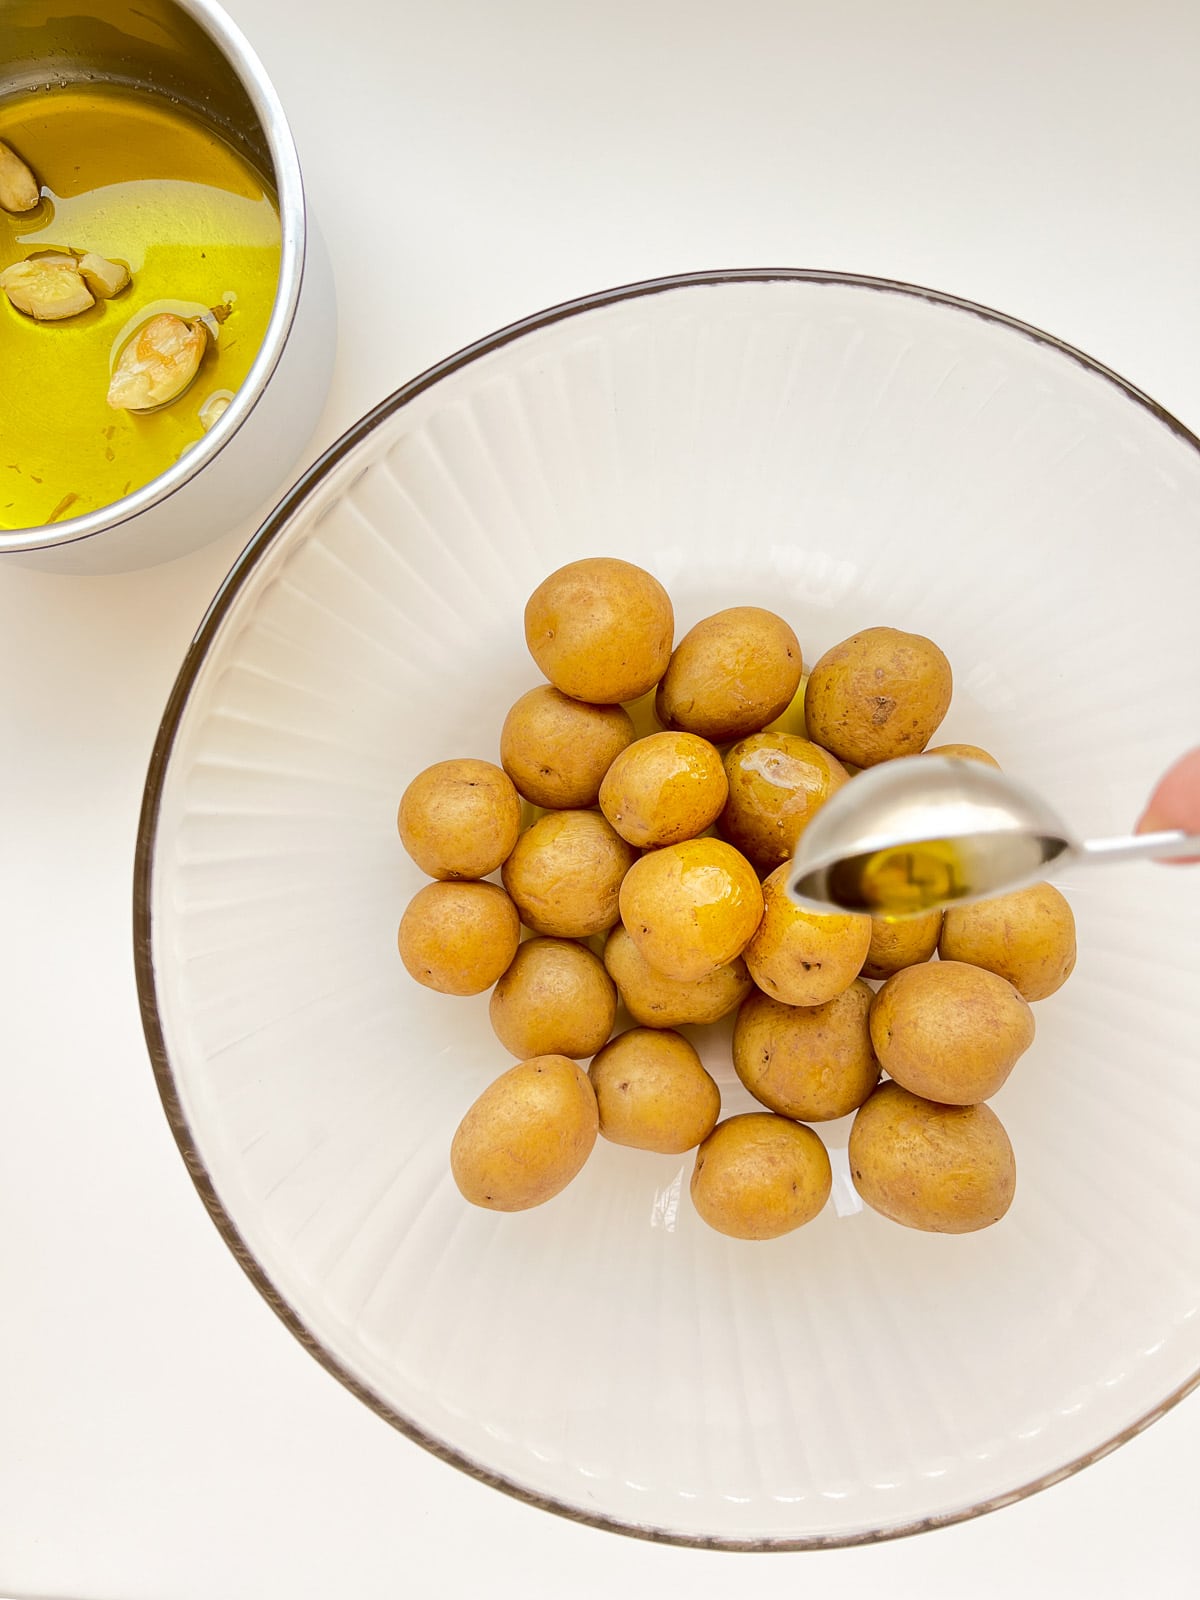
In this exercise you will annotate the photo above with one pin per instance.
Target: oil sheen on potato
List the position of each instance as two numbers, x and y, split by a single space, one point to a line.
134 178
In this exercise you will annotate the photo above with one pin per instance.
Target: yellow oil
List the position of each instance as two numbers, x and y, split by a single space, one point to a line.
134 178
903 880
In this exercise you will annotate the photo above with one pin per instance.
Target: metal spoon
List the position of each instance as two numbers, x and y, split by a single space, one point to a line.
908 836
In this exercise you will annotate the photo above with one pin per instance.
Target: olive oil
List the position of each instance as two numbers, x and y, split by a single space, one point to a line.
134 178
903 880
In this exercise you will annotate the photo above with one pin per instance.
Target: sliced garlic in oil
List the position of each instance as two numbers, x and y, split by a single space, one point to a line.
103 277
47 288
158 363
214 408
18 187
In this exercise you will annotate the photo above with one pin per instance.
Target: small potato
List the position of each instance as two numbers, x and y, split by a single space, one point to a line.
730 675
777 783
758 1176
555 999
811 1063
664 788
943 1169
804 958
964 752
656 1001
691 907
901 942
458 937
600 630
949 1031
878 695
565 872
556 750
526 1136
459 819
1027 937
653 1092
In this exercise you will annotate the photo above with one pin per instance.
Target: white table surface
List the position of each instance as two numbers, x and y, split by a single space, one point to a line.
161 1434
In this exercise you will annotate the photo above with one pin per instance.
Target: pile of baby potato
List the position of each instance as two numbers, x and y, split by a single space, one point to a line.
652 871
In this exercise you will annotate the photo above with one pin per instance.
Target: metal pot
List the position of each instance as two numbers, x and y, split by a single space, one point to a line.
192 52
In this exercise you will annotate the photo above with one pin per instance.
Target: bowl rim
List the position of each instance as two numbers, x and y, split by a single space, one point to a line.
242 60
147 833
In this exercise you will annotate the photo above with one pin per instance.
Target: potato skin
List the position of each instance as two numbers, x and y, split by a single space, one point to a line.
653 1092
758 1176
528 1134
963 752
600 629
731 674
663 789
458 938
556 750
777 783
655 1001
565 872
691 907
1027 937
459 819
804 958
950 1032
939 1168
554 999
878 695
811 1063
905 942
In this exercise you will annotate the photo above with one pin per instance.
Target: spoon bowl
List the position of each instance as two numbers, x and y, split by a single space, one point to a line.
920 832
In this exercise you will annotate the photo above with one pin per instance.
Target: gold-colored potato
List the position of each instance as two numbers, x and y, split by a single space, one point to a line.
811 1063
653 1092
600 630
804 958
555 999
759 1176
878 695
458 938
964 752
526 1136
940 1168
663 789
901 942
1027 937
656 1001
556 750
459 819
691 907
950 1032
777 783
731 674
565 872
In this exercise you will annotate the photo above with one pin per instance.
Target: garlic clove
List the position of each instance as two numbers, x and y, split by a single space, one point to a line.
103 277
18 187
47 288
158 363
214 408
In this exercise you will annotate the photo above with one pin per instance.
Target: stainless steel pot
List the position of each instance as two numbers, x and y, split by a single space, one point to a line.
190 50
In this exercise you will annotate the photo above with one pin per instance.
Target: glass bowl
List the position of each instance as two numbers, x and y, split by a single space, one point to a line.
850 452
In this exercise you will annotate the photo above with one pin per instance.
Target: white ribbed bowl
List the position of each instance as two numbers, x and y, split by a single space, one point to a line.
849 452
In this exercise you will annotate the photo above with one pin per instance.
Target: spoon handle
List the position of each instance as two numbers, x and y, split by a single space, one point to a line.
1141 847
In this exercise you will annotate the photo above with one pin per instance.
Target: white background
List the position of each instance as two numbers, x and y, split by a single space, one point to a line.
161 1435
